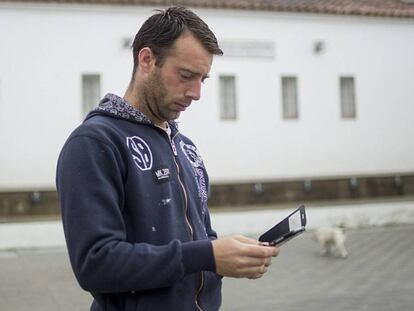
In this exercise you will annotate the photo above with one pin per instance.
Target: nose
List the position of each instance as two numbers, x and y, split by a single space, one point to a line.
194 90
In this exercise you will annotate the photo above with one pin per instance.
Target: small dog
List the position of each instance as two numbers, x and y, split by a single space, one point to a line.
331 241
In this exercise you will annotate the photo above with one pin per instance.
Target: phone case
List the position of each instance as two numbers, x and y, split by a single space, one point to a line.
288 228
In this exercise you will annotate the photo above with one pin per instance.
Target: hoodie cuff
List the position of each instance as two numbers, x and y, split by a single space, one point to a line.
198 256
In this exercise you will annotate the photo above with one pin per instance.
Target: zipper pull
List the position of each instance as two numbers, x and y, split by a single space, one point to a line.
173 147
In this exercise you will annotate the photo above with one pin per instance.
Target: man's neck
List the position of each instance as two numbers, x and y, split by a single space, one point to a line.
132 97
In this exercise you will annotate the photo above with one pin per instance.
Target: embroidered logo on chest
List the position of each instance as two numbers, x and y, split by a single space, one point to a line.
192 154
162 174
141 152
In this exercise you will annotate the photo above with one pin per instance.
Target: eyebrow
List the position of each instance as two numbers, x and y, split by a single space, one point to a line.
206 76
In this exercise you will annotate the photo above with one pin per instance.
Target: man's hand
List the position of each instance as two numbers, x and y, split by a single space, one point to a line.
241 257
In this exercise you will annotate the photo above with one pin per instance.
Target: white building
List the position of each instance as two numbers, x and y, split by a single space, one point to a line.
346 82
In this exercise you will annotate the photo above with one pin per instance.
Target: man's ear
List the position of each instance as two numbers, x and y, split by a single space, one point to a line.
146 60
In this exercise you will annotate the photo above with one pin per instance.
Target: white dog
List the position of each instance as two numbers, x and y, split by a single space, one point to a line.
331 241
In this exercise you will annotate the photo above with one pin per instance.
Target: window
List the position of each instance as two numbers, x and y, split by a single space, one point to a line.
228 109
290 98
348 108
91 92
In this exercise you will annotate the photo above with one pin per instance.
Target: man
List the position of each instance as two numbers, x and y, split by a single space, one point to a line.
133 189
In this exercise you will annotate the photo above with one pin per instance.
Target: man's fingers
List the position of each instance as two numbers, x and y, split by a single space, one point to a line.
248 262
253 272
255 275
246 240
239 256
261 251
277 250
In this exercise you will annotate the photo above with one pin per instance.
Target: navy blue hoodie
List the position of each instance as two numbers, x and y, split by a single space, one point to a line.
135 216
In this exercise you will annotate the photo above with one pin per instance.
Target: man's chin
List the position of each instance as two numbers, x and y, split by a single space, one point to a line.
175 115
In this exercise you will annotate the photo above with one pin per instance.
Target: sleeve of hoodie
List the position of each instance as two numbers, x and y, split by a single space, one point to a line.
90 189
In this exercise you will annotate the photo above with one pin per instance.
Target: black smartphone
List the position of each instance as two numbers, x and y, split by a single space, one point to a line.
291 226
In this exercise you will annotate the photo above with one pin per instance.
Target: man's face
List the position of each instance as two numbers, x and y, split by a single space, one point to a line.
171 88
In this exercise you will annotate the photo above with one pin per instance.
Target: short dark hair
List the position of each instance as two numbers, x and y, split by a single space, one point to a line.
160 31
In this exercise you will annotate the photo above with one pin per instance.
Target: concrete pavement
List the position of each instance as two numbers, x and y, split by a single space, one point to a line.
378 275
247 219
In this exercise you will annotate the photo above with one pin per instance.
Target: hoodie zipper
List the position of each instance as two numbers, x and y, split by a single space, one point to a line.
174 149
182 186
199 292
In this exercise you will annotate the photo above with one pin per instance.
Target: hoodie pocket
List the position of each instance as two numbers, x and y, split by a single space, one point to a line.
211 293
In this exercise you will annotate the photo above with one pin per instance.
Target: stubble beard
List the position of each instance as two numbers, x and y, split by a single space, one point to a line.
156 99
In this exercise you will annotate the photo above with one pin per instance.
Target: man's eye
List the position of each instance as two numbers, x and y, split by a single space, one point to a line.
186 75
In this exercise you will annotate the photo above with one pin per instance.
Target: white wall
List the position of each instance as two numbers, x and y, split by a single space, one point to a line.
260 144
45 49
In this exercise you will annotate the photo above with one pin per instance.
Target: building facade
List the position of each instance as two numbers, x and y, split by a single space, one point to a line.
300 95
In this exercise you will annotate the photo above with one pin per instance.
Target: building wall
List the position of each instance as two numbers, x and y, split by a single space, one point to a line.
46 48
377 52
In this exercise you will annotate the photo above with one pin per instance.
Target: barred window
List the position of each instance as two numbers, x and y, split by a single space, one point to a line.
290 97
91 92
228 109
347 89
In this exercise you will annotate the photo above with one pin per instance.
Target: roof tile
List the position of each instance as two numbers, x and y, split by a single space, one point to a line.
380 8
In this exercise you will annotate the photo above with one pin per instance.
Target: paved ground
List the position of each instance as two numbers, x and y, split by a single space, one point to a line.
378 275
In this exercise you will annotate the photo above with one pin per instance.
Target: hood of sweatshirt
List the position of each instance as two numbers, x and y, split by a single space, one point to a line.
117 107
